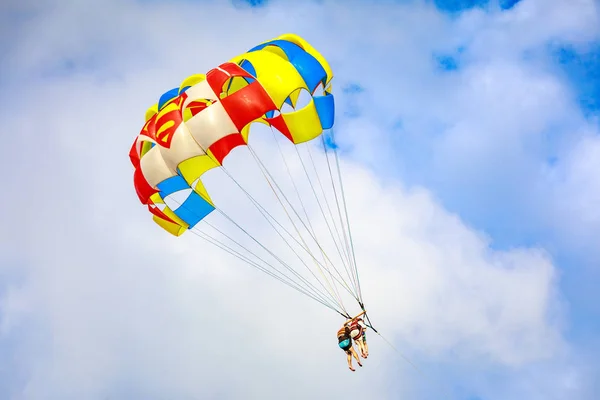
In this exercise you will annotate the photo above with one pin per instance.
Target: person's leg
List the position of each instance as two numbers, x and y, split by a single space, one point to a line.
356 339
361 347
355 356
349 356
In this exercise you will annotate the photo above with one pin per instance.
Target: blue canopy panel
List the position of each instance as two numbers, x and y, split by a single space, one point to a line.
193 209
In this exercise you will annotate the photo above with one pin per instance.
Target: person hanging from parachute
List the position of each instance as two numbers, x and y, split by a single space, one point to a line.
358 330
345 343
363 326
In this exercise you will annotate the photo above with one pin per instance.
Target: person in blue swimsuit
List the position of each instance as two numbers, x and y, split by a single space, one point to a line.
345 343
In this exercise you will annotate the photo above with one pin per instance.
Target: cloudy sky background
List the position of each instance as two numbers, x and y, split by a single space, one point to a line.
470 134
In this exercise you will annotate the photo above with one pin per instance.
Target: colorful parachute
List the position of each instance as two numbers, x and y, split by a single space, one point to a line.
193 129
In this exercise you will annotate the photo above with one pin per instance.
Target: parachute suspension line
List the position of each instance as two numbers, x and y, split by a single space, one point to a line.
266 175
399 352
265 213
344 313
261 209
323 298
319 203
349 244
281 261
337 202
289 282
412 364
297 194
347 260
306 213
339 171
240 256
323 255
327 222
266 172
302 279
335 193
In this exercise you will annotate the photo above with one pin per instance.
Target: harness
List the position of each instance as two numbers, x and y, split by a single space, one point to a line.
343 334
355 326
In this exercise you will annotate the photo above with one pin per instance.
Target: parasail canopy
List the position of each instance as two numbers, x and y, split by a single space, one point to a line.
284 84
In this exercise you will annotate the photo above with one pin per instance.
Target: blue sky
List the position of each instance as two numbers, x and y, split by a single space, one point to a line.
470 132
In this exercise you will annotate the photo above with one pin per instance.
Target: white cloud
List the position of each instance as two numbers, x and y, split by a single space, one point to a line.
577 192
